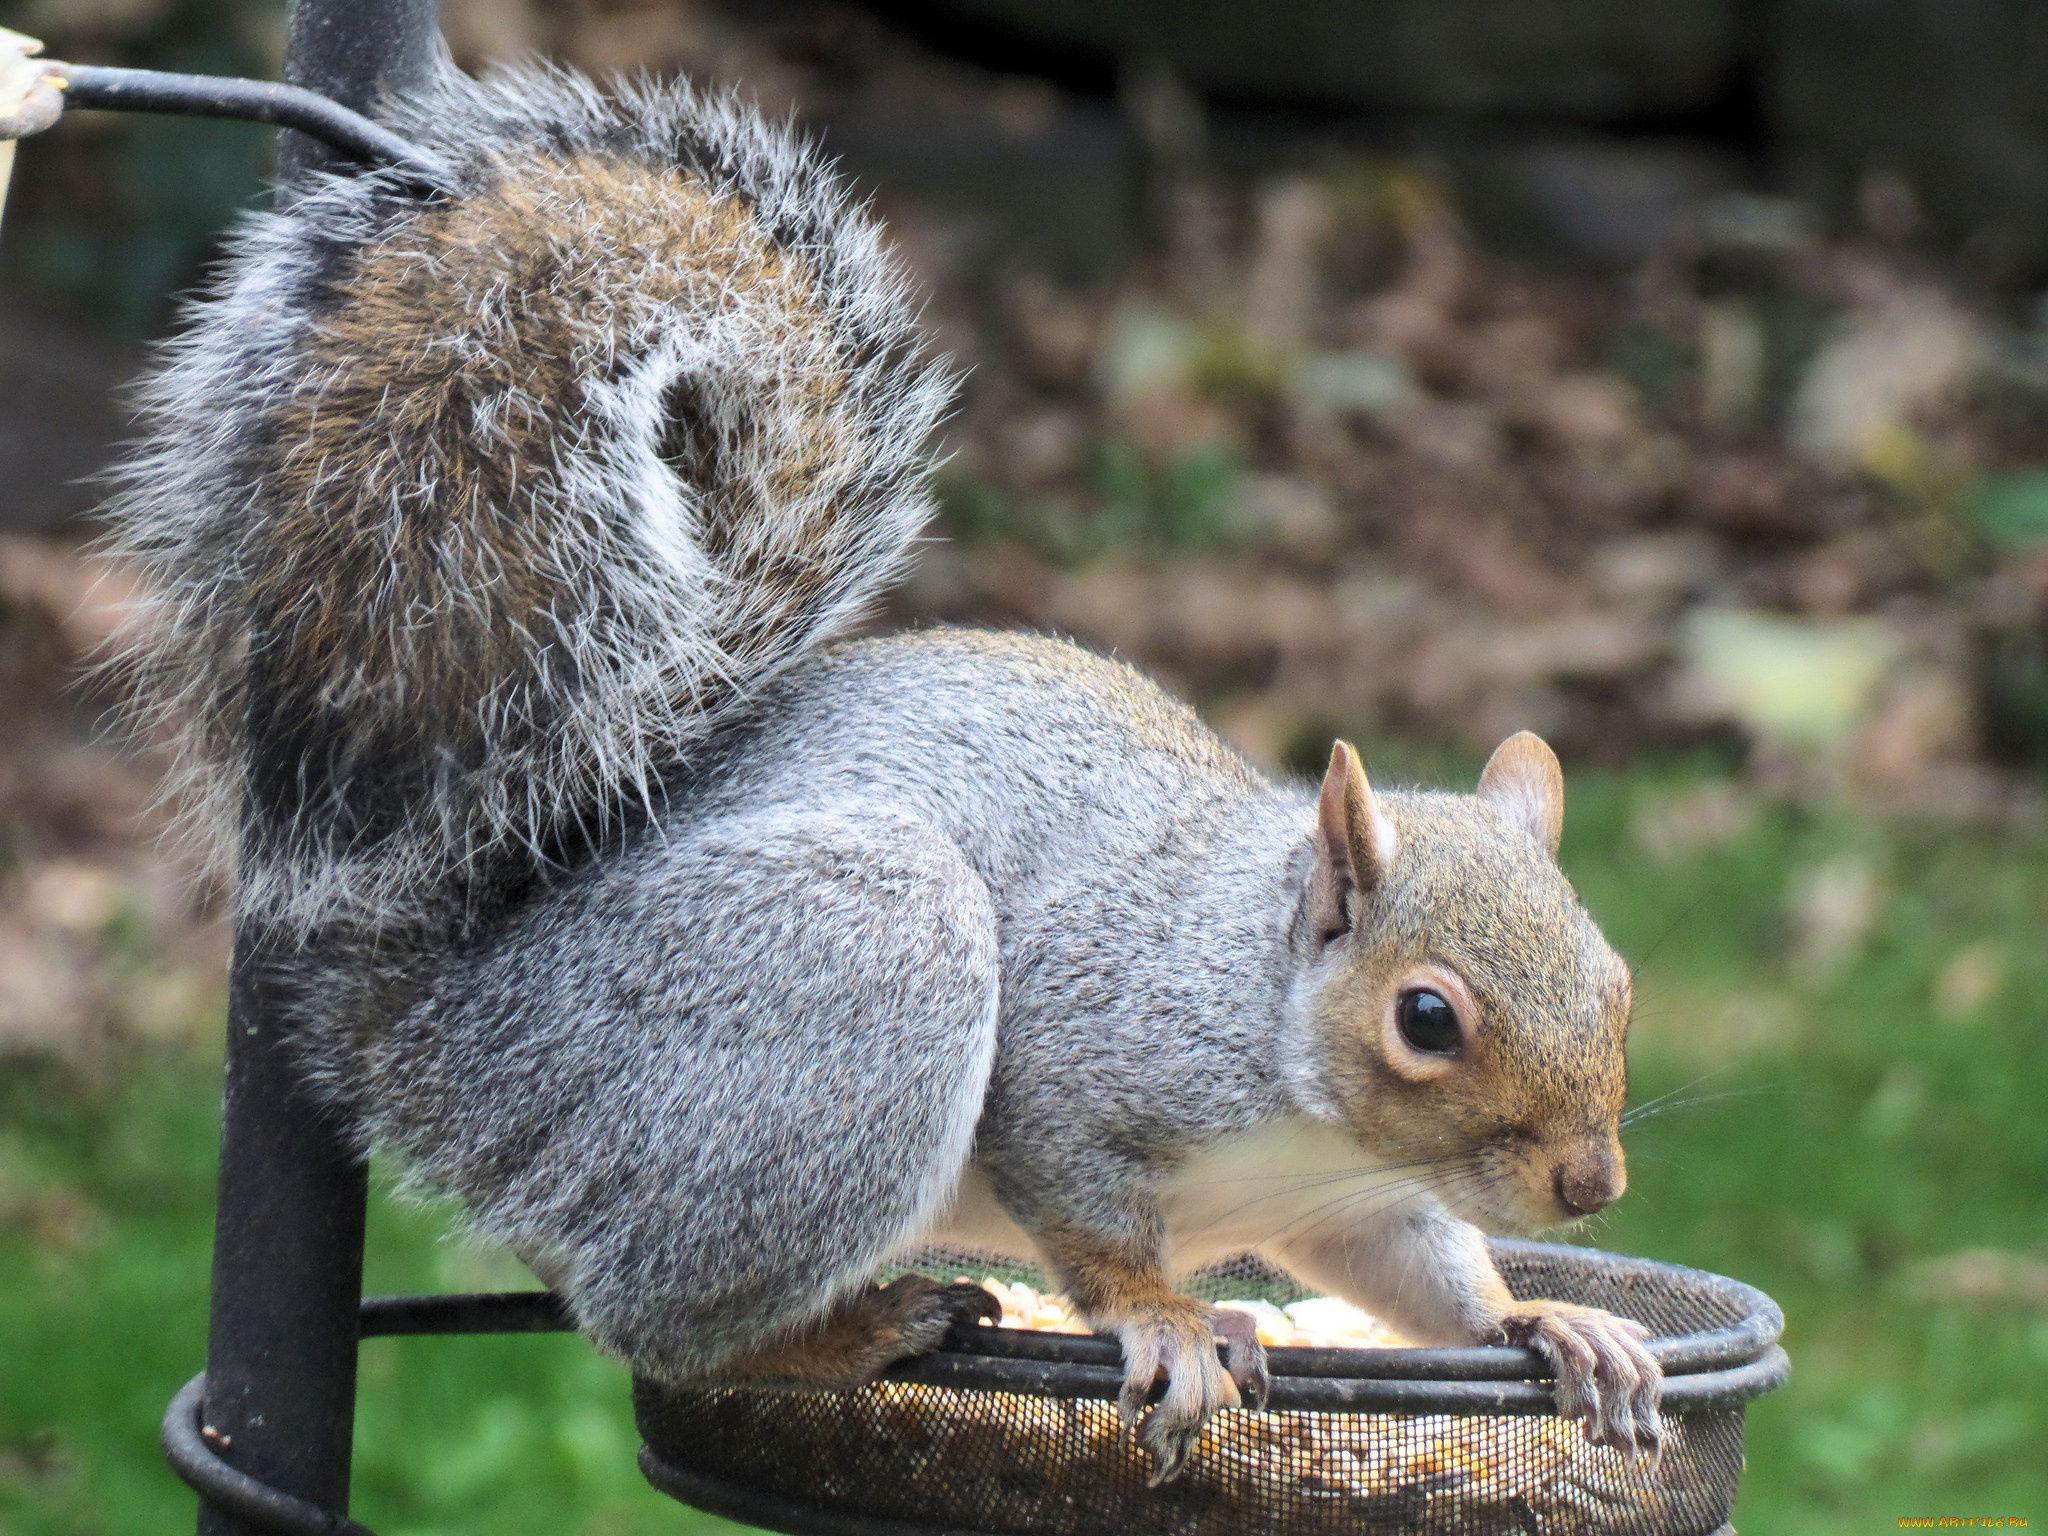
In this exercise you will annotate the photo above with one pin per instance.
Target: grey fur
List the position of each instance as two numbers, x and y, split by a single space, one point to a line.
1140 885
1136 878
656 637
707 1087
709 963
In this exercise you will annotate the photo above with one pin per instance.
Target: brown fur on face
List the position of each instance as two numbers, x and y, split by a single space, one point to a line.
1529 1108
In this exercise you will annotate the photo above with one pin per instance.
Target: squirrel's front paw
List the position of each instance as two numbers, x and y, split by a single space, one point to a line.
1176 1339
1606 1379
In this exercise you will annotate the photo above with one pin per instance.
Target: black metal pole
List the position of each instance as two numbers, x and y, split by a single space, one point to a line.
287 1267
288 1236
353 51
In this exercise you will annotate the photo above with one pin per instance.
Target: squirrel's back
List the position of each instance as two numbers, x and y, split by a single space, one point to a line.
473 511
1023 750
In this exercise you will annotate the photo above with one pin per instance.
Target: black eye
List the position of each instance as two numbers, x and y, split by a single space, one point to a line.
1428 1022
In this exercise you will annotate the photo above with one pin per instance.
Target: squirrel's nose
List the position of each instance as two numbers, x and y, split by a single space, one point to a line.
1586 1185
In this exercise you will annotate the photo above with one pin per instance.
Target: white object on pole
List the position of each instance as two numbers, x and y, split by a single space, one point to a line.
30 98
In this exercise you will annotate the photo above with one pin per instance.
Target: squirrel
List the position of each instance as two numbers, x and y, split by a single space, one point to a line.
500 535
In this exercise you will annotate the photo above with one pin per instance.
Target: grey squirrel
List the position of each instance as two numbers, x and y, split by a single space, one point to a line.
498 533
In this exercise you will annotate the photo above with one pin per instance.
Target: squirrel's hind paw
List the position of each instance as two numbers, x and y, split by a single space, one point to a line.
1176 1340
927 1310
1606 1379
911 1315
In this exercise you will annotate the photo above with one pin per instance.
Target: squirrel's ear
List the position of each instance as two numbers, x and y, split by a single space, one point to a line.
1524 783
1355 840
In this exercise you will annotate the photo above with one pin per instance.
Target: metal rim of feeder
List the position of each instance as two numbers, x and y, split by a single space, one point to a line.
1003 1431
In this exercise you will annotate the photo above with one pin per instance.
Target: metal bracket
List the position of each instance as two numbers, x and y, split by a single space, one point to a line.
34 94
193 1448
259 1506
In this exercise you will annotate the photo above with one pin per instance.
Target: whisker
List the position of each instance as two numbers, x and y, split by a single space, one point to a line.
1638 1155
1685 1087
1465 1181
1711 887
1657 1107
1352 1209
1347 1204
1346 1199
1313 1181
1327 1175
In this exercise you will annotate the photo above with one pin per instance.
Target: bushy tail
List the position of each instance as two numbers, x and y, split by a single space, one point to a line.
472 515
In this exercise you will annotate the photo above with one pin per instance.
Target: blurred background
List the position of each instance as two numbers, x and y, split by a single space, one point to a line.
1671 379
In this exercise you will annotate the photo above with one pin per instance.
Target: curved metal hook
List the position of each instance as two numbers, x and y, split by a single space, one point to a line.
103 87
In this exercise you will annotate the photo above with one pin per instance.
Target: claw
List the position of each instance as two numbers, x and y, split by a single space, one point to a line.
1169 1444
1176 1339
930 1309
973 1303
1605 1378
1141 1374
1243 1355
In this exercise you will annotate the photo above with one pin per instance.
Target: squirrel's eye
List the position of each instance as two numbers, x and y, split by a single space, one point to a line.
1428 1022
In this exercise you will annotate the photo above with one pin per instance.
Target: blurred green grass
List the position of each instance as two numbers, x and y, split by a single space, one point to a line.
1847 1107
106 1190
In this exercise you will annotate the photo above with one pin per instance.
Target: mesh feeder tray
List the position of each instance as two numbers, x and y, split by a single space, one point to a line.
1005 1432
